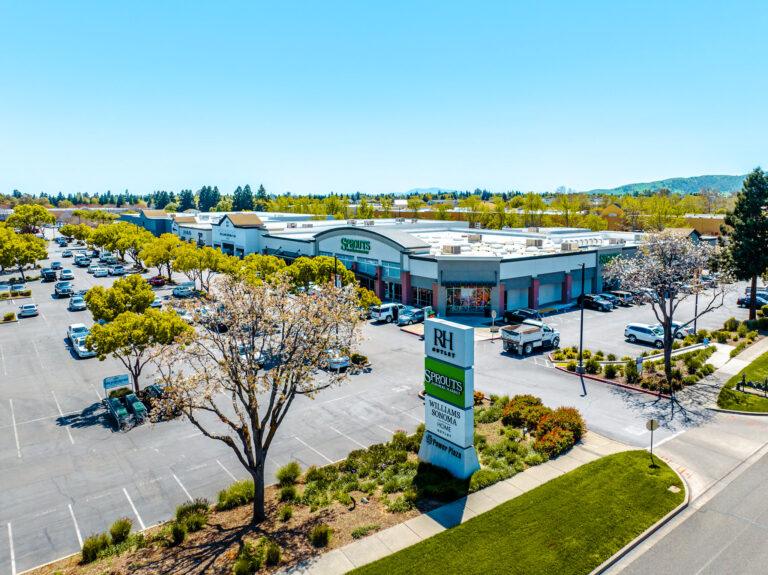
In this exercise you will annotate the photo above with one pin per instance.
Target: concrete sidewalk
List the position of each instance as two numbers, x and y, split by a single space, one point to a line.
405 534
735 365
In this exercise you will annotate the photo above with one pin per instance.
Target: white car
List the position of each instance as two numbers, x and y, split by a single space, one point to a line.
93 267
336 360
678 329
100 272
387 312
76 330
642 332
82 351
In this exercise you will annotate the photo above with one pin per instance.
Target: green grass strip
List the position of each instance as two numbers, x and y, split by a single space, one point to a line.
569 525
729 398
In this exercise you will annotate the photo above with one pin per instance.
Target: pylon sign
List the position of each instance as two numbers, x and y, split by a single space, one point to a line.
449 387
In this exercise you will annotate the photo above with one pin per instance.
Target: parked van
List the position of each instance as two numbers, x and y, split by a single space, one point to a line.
387 312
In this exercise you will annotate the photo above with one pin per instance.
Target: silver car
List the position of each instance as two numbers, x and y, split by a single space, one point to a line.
28 310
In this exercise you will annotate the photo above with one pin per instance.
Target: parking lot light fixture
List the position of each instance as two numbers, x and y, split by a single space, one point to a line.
580 368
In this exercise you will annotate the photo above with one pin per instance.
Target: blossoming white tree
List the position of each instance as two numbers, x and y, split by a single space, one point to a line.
258 348
670 267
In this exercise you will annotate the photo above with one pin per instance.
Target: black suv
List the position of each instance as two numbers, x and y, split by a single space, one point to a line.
520 315
597 302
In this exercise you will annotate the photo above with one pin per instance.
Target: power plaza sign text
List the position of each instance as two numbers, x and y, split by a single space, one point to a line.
355 245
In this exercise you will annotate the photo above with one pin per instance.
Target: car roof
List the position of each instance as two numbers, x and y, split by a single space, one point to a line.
77 326
647 325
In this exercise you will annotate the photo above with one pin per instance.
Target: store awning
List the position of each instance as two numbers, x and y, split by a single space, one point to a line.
468 284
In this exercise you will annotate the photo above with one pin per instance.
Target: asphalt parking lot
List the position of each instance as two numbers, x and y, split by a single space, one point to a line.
66 473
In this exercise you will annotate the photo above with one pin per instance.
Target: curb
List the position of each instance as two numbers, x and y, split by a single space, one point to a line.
614 383
621 553
734 412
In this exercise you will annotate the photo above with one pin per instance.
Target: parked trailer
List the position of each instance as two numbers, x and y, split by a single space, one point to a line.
524 337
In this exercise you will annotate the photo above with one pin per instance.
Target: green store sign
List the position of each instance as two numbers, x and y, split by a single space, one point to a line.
356 246
445 381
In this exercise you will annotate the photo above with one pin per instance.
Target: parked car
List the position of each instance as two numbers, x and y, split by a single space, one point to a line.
116 270
411 316
677 329
66 274
761 299
92 267
110 260
524 337
335 360
521 314
624 298
27 310
642 332
66 254
77 303
56 265
77 330
63 289
186 316
82 351
183 291
388 312
156 303
156 281
100 272
48 275
82 261
104 256
593 301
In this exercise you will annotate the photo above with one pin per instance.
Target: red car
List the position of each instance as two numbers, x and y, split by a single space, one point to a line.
156 281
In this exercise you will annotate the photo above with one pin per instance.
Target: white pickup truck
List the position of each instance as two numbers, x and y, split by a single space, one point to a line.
524 337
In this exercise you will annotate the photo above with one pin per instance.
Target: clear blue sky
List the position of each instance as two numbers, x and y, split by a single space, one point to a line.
325 96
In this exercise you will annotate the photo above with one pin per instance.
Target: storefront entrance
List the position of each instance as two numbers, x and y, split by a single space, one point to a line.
392 291
468 299
421 297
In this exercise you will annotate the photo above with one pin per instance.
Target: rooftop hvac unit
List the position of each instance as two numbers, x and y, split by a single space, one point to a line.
414 220
307 225
617 241
368 223
399 220
291 225
452 250
569 247
352 222
534 242
532 230
474 238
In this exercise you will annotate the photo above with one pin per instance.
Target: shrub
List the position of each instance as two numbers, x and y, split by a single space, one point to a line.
610 371
721 337
402 503
313 473
611 357
479 397
10 316
272 553
752 335
631 373
692 366
320 535
288 493
288 474
738 349
196 507
571 366
742 330
237 494
762 324
92 546
516 410
285 513
358 359
363 530
120 530
178 533
586 354
731 324
592 366
567 418
676 344
489 414
690 379
677 375
554 442
195 521
250 559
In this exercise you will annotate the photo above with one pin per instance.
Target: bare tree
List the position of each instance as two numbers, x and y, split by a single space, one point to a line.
258 349
670 267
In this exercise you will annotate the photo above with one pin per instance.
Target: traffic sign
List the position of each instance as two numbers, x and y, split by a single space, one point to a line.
652 424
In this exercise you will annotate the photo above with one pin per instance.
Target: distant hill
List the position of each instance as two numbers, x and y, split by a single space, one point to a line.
723 184
432 191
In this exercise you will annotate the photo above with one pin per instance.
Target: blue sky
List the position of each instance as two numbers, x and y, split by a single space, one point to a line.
312 97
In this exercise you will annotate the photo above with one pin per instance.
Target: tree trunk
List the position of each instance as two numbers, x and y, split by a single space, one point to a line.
753 299
21 271
259 514
667 357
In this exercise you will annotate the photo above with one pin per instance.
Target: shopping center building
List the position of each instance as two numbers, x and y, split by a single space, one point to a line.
445 264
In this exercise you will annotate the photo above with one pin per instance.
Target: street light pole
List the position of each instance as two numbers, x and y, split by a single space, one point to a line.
581 323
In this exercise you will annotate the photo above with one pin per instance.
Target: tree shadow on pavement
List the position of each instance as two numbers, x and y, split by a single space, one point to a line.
91 416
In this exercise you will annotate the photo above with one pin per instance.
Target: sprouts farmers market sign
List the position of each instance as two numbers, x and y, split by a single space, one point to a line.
355 245
449 397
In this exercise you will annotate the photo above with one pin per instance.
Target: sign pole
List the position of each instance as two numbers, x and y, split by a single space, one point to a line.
652 425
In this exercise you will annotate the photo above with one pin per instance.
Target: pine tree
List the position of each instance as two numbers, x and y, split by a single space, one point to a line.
262 200
237 200
749 237
186 200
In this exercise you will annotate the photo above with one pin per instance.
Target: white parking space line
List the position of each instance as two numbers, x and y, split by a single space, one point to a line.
305 444
96 391
13 555
2 360
77 527
411 416
347 436
385 429
135 511
37 353
15 433
61 414
184 489
227 471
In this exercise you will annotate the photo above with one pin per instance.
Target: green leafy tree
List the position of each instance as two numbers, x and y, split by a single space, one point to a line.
199 264
160 253
130 293
26 218
20 250
80 232
749 235
135 339
257 268
224 204
367 298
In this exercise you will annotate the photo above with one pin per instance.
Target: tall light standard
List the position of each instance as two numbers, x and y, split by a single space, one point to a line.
581 323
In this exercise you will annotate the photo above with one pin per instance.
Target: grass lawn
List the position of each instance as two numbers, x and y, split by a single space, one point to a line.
729 398
567 526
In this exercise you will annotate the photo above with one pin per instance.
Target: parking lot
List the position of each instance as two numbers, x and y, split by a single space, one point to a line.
67 474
